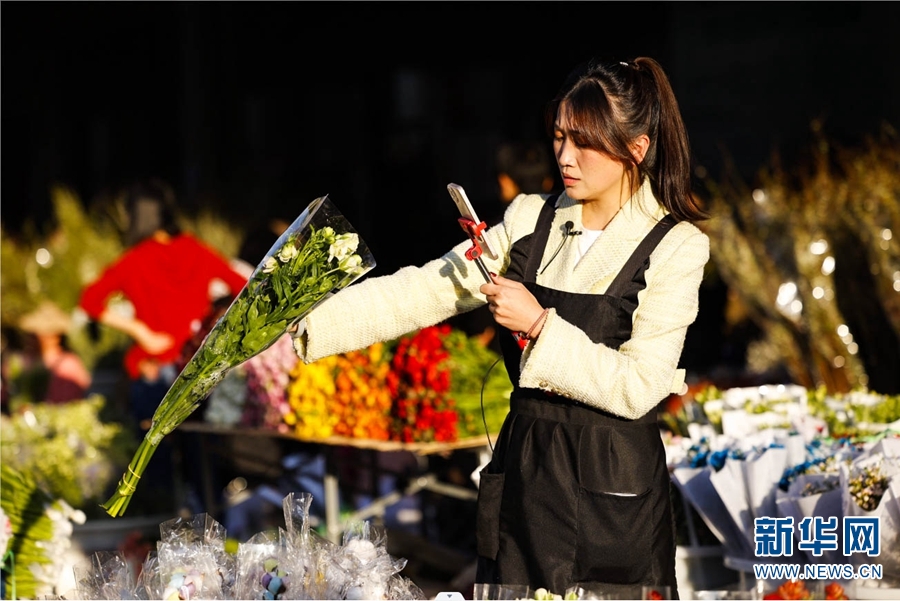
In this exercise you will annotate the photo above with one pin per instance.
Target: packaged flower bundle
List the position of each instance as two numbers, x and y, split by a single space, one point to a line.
190 561
419 382
108 577
870 487
692 475
732 481
305 554
318 255
812 488
262 569
361 567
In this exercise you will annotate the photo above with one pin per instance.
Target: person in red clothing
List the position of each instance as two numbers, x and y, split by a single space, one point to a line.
166 274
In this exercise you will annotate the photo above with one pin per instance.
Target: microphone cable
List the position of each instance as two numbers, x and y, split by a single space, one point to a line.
568 225
483 416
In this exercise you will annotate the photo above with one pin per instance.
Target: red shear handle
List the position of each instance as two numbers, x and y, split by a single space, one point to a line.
474 231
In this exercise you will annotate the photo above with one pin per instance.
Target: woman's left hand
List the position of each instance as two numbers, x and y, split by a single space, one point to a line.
512 305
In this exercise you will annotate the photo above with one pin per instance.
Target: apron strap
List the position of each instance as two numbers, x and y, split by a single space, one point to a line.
539 238
640 255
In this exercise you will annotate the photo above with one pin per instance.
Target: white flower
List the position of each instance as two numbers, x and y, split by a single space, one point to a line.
328 234
351 264
270 265
5 532
288 252
343 246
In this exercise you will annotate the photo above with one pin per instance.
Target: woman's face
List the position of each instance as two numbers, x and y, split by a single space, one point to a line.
588 174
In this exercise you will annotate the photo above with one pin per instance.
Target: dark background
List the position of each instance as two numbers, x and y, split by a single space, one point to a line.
258 108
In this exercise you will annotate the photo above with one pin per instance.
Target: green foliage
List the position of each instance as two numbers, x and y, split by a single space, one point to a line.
67 449
857 413
40 528
57 266
469 363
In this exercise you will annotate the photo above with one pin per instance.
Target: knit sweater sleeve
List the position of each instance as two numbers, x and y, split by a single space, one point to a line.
632 380
386 307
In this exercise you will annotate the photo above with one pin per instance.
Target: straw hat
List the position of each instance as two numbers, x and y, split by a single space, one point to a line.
47 318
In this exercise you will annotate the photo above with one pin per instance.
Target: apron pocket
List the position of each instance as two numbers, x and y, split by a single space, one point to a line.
487 520
613 542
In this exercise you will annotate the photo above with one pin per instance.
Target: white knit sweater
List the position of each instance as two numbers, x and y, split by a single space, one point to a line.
628 382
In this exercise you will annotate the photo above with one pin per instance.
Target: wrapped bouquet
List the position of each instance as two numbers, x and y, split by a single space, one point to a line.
318 255
190 562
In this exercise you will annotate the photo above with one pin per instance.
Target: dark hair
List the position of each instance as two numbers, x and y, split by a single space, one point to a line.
527 163
609 104
150 206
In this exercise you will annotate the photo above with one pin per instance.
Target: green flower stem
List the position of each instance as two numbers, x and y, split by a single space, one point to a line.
172 411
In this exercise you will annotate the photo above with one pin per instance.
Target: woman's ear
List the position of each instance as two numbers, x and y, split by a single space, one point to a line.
639 148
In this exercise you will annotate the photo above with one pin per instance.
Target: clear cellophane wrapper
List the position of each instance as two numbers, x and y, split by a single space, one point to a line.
109 576
264 570
306 554
361 568
295 562
191 561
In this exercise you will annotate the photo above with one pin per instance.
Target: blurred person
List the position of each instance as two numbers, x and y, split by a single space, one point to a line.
523 168
592 326
166 275
45 370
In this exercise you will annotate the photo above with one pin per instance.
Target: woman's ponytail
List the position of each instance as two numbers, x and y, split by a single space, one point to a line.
670 174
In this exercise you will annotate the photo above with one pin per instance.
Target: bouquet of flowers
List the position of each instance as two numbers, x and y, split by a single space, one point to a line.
812 488
318 255
190 562
870 487
730 482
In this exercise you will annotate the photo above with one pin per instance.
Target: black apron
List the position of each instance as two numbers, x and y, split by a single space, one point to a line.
574 495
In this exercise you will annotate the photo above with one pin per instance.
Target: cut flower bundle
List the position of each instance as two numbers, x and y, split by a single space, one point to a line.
319 254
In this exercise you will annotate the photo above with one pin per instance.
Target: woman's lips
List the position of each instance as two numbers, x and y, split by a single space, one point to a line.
569 181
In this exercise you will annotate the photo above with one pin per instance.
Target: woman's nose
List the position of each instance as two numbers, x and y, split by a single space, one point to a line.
564 154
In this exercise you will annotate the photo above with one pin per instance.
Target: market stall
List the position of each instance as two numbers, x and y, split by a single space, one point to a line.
335 525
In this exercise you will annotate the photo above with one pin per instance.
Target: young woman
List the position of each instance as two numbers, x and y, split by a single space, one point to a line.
603 280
